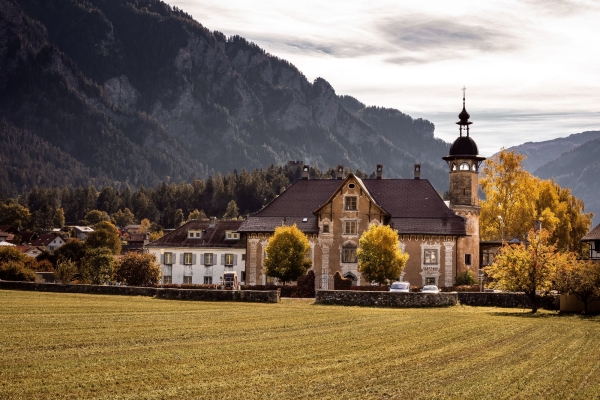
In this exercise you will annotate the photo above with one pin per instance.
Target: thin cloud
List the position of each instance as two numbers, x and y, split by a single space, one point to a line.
563 7
422 34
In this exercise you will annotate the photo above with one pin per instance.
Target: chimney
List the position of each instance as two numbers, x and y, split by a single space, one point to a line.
340 172
305 171
417 171
213 222
379 171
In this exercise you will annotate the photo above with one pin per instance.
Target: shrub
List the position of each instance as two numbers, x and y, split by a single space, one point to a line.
65 271
465 278
306 285
138 270
341 283
97 266
42 266
16 271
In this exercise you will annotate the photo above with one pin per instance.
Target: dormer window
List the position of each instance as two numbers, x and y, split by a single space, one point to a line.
231 235
194 234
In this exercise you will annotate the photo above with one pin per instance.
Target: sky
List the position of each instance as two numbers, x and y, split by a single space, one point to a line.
531 67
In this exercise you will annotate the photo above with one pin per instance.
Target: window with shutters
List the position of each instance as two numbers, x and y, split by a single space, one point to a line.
208 280
349 228
228 259
350 203
208 258
187 258
168 258
187 280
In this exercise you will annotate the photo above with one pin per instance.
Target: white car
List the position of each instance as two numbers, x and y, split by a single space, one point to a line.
430 289
402 287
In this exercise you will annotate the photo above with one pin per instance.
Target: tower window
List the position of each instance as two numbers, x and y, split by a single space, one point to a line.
467 259
464 167
474 167
453 167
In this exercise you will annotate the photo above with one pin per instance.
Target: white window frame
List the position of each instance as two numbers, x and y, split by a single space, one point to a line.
229 256
231 235
168 258
208 256
208 280
187 258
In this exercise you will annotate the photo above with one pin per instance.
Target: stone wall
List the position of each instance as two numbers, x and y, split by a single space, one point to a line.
385 299
270 296
507 300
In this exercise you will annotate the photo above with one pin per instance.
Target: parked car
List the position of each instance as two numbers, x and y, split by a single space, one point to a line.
430 289
402 287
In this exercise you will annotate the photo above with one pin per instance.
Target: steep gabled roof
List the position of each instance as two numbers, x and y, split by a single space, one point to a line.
211 237
365 190
45 239
294 205
592 235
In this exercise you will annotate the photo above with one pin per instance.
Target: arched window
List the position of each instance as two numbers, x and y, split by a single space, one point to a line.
349 252
464 167
453 167
474 167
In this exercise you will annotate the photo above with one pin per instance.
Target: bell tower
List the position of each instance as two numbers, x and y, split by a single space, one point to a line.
464 161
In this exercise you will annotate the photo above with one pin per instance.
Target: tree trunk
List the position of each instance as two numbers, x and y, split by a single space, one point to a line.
534 302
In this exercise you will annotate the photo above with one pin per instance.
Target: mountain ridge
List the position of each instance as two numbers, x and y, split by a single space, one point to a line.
138 92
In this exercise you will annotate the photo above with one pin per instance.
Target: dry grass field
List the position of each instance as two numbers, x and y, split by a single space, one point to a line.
87 346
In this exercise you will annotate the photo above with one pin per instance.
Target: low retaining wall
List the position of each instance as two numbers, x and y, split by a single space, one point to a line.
385 299
270 296
507 300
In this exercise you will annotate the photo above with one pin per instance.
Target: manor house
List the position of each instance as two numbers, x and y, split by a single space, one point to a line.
441 239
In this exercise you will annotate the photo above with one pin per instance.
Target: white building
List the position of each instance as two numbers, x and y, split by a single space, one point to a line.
82 232
199 252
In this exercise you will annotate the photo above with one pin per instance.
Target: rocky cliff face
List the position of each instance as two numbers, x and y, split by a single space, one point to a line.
171 99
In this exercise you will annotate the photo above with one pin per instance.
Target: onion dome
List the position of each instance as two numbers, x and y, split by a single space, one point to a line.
464 117
464 146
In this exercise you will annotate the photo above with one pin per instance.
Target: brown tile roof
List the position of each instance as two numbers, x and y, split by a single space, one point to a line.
28 237
212 237
44 239
413 205
594 234
8 228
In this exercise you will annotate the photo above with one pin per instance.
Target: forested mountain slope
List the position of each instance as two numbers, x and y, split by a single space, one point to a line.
138 92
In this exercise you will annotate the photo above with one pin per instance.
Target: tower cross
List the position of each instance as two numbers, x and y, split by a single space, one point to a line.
464 89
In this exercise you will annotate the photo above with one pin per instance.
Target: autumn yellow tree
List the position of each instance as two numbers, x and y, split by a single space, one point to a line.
580 278
515 200
508 191
379 256
288 254
530 268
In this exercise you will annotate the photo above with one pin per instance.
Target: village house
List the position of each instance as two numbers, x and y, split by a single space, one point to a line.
442 240
592 239
199 252
48 241
82 232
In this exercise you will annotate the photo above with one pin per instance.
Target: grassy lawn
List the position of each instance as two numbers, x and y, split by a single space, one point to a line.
87 346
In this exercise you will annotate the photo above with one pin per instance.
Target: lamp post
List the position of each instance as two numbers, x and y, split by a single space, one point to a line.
501 225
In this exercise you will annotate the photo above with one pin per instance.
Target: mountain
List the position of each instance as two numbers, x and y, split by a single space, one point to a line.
573 162
540 153
137 92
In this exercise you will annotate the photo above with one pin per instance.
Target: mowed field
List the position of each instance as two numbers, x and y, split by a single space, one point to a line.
87 346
